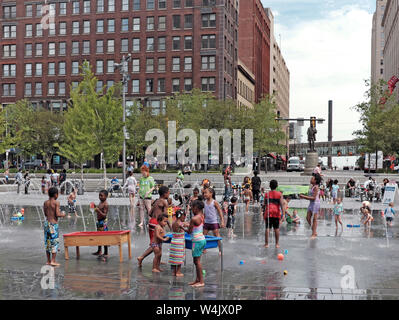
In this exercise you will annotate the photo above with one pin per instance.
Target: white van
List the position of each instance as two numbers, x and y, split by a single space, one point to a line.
294 164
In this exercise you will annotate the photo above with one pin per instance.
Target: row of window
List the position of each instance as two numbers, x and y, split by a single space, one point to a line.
208 21
84 47
86 6
151 86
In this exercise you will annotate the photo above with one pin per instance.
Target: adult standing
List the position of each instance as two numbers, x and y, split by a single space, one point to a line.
55 178
274 204
48 179
350 186
26 182
256 183
18 179
146 186
130 168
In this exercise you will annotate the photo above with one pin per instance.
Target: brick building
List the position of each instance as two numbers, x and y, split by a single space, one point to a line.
254 44
176 45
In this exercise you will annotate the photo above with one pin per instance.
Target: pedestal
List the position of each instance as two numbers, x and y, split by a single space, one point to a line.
311 162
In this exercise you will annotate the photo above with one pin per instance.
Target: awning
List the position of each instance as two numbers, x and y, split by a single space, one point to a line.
283 158
272 155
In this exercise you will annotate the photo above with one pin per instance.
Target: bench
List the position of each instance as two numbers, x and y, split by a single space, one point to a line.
99 238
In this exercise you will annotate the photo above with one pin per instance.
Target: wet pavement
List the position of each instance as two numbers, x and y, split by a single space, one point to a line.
313 266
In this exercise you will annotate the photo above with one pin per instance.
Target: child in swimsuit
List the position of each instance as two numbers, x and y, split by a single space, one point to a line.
212 210
159 238
102 212
338 211
314 206
178 243
199 242
72 203
389 214
247 193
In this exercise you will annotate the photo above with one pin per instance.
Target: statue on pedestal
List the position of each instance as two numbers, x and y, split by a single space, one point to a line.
312 137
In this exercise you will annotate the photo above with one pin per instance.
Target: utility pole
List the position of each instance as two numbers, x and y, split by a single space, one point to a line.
124 70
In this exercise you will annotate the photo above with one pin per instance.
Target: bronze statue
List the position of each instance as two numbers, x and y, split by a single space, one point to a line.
312 137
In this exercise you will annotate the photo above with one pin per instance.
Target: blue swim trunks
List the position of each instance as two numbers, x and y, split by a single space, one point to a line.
102 225
51 237
198 248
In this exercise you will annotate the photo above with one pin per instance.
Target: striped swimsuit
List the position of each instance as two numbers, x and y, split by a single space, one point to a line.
177 249
199 241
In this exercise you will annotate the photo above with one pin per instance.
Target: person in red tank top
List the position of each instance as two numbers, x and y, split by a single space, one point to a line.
273 203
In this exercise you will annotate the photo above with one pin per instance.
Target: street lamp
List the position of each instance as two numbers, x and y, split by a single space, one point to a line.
124 70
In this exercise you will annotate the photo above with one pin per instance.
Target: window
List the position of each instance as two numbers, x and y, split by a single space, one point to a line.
39 49
61 68
75 67
39 69
149 85
136 65
28 30
111 5
161 43
161 4
189 4
208 41
75 7
111 46
51 29
136 5
176 64
176 43
149 65
28 89
150 23
39 30
9 31
86 47
51 69
135 86
208 84
150 4
136 24
208 63
188 84
10 50
99 86
124 45
9 89
125 5
86 6
63 28
176 3
51 49
61 88
51 88
161 85
100 5
38 89
110 66
111 25
176 85
125 24
161 23
28 10
100 46
176 22
188 63
209 20
9 12
110 83
9 70
206 3
75 47
74 84
161 64
63 8
75 27
62 49
136 45
150 44
188 43
188 21
28 69
100 26
99 66
86 26
39 10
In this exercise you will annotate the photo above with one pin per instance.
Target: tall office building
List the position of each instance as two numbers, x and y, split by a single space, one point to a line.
377 43
176 45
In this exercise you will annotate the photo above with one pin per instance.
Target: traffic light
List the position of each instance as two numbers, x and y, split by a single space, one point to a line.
292 131
313 121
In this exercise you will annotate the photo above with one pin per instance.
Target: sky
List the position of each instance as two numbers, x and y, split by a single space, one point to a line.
327 47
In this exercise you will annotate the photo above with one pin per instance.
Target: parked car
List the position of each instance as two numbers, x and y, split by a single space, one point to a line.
35 164
293 164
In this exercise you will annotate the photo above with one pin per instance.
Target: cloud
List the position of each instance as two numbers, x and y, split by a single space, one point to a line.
329 59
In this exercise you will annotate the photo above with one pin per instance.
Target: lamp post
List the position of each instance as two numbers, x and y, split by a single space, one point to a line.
124 70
